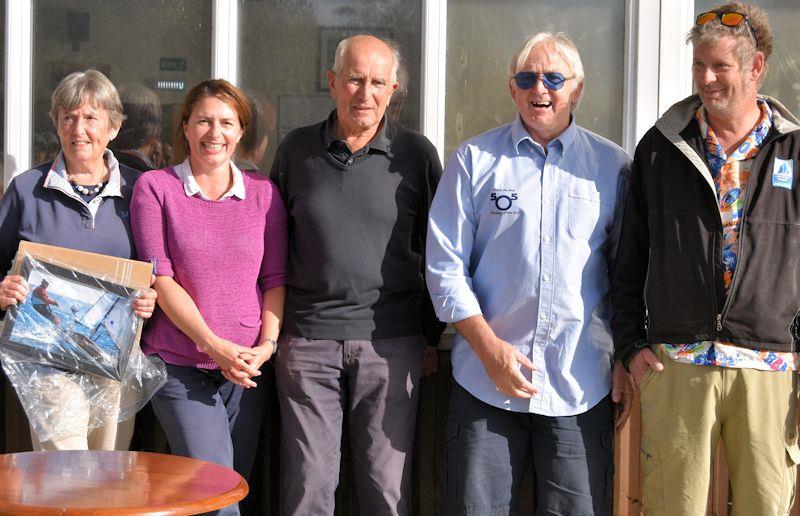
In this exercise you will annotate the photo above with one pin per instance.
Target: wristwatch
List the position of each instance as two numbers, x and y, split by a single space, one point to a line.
273 342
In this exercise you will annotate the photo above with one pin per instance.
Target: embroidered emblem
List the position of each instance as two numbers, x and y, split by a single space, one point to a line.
782 173
504 201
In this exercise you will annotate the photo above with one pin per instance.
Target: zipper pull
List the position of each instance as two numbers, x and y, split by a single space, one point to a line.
719 322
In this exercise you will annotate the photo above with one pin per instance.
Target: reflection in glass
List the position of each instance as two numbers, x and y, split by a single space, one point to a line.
284 67
482 36
783 74
73 35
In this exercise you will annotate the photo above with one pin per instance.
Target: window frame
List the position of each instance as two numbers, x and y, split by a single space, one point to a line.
650 82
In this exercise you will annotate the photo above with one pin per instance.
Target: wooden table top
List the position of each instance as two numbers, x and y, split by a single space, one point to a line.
112 482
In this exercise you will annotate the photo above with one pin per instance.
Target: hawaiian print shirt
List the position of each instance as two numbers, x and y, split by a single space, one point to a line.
731 174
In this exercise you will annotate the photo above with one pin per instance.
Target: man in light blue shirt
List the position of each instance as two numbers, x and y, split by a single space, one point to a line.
521 239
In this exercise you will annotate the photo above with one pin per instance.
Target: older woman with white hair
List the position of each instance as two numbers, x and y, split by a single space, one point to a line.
79 201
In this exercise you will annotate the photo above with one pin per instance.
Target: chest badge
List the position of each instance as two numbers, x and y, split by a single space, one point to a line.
782 173
503 199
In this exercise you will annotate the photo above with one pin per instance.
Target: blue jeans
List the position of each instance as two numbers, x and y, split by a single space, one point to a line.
198 410
486 448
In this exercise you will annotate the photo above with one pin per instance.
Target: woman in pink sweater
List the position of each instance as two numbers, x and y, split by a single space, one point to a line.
218 237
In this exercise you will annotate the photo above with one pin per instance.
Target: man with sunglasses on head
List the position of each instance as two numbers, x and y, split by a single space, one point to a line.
706 290
521 236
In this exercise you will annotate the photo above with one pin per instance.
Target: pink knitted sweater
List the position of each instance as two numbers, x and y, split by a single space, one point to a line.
224 253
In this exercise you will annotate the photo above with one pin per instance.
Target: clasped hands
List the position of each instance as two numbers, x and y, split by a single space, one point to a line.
239 364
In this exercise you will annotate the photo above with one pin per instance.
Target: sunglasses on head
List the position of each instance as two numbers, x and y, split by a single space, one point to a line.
727 19
551 80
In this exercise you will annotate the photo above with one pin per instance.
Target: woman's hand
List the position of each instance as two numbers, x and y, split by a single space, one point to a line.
228 357
13 290
145 303
258 355
255 358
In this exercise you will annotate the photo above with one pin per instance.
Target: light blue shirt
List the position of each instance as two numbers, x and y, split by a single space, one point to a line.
527 239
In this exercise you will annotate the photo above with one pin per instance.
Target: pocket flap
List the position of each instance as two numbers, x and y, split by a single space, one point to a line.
250 322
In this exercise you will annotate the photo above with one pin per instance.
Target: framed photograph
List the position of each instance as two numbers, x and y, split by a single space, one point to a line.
71 321
329 38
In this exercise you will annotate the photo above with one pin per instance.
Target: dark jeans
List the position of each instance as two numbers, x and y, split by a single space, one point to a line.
486 448
377 384
198 410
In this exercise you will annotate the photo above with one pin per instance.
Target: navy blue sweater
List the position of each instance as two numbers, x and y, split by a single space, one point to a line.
31 211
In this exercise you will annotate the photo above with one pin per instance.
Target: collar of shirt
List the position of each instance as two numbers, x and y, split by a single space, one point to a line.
191 188
562 142
381 142
58 179
715 154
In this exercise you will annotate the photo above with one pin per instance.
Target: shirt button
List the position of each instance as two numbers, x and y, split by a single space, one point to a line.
546 277
350 161
545 238
543 317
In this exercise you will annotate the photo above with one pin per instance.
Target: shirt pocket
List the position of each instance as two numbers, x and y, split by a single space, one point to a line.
250 322
585 211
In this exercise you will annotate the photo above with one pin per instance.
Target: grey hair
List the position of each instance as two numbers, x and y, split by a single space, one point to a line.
341 50
91 85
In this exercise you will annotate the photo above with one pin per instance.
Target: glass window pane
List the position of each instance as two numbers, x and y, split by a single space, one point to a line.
74 35
783 75
284 67
482 36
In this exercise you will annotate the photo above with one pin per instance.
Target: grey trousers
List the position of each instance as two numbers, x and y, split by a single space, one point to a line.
377 384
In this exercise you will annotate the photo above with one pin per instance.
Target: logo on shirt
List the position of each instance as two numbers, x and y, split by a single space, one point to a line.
504 199
782 173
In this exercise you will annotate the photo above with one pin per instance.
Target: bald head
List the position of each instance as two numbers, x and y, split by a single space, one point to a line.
366 43
361 83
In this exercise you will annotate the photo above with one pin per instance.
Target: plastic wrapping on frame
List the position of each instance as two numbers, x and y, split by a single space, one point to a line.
71 351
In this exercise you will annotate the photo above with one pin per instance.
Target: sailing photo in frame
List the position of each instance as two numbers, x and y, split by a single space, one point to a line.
71 321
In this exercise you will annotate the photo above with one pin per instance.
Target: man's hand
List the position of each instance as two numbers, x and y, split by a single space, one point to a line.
641 362
501 360
430 360
622 392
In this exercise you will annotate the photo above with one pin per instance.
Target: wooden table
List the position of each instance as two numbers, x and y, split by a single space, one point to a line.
111 482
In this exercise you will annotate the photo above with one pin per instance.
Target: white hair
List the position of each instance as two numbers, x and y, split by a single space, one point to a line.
558 41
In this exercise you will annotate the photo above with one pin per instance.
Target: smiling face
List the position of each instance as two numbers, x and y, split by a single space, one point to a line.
545 113
723 84
363 86
212 131
84 133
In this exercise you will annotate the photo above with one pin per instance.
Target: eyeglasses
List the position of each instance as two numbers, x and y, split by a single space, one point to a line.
551 80
727 19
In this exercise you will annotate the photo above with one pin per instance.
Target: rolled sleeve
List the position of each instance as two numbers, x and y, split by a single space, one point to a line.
451 234
148 224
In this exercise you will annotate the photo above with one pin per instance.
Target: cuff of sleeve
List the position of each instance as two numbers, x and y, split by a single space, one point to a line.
450 309
626 354
272 283
162 267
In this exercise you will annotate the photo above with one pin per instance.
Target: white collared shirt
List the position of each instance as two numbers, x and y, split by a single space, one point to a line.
58 179
191 188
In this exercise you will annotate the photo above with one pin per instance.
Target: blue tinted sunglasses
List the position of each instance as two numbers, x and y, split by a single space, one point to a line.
551 80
